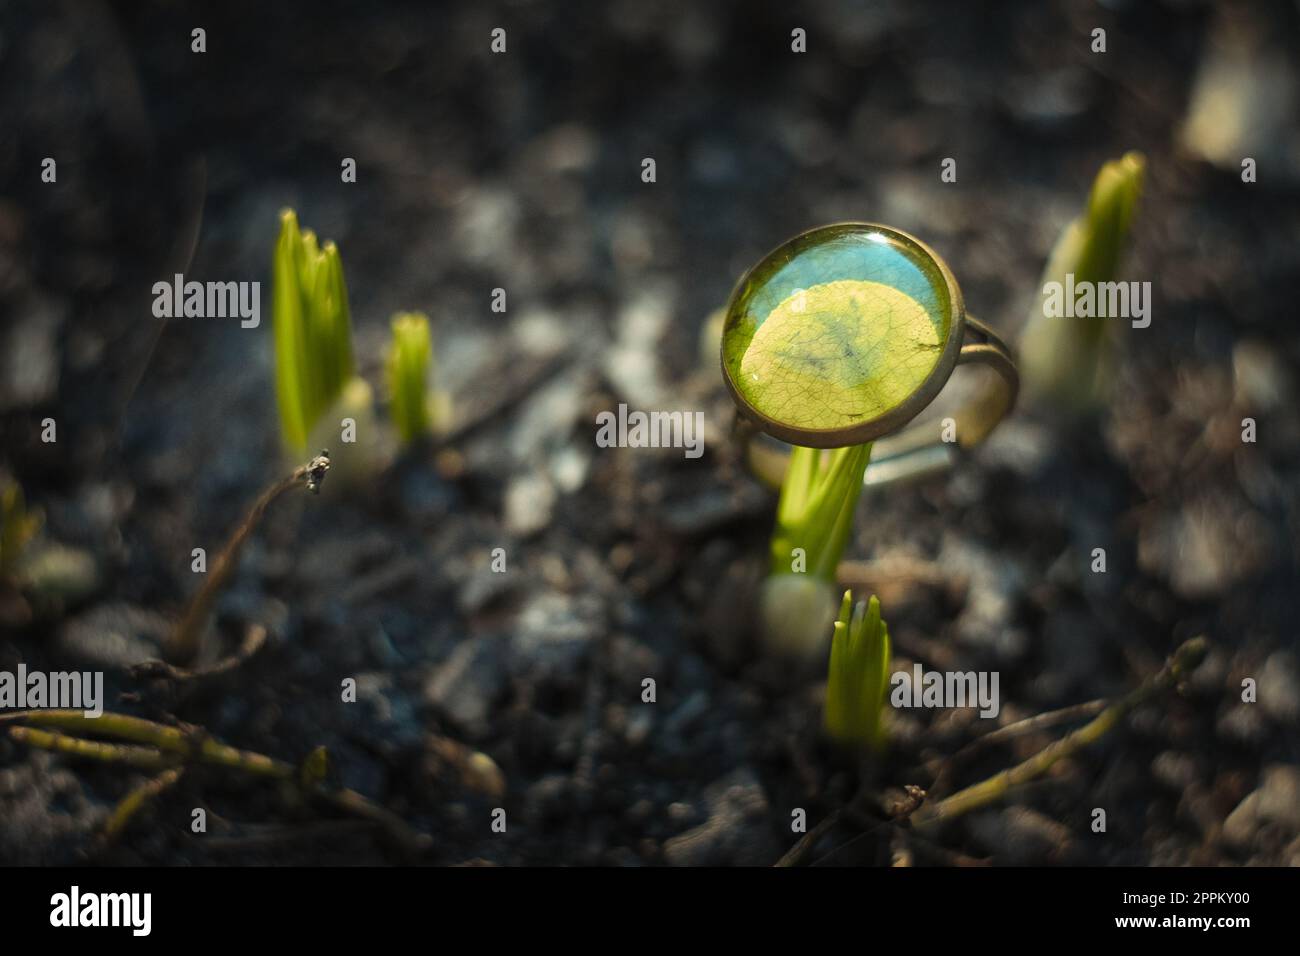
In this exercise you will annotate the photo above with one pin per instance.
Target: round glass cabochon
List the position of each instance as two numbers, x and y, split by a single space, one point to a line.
837 327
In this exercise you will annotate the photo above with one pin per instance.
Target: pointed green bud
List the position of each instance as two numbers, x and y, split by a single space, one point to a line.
858 676
1064 358
312 328
410 357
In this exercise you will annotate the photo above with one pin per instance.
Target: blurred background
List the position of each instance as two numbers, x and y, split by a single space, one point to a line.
522 171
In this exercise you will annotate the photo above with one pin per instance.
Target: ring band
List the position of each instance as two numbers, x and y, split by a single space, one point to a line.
902 450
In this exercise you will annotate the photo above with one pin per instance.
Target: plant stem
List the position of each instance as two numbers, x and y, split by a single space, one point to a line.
146 758
818 498
168 748
184 643
796 853
1183 661
124 727
137 800
254 638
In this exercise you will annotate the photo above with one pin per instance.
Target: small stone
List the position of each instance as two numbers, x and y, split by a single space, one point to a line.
529 500
640 721
390 723
996 584
569 148
1261 378
1243 724
1291 855
485 231
1242 101
736 831
115 635
1240 826
1175 770
554 632
549 798
483 588
1276 801
467 686
449 760
569 468
29 352
1206 546
1048 100
1021 836
680 812
1279 687
1280 796
1022 446
60 573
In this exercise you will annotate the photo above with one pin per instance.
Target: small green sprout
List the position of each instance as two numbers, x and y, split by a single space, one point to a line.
813 521
1064 359
858 675
313 329
815 514
18 525
409 359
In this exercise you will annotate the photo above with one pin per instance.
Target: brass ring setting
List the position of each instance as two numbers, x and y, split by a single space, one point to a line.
846 333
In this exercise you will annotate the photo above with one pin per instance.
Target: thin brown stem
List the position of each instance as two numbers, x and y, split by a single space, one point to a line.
254 638
800 850
184 643
1051 718
1183 661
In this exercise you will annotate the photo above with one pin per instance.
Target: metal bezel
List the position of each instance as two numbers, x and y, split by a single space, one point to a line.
898 416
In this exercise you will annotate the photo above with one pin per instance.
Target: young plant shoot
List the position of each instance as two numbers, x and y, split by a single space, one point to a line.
410 357
313 330
858 678
813 521
1067 342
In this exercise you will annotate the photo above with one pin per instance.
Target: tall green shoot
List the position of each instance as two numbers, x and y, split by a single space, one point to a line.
313 329
815 514
814 519
1064 360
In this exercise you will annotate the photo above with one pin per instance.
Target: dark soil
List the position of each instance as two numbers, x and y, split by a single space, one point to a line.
523 171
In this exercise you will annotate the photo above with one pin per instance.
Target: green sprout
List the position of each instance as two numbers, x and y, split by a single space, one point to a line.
18 525
313 329
409 359
814 519
858 675
815 514
1065 360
